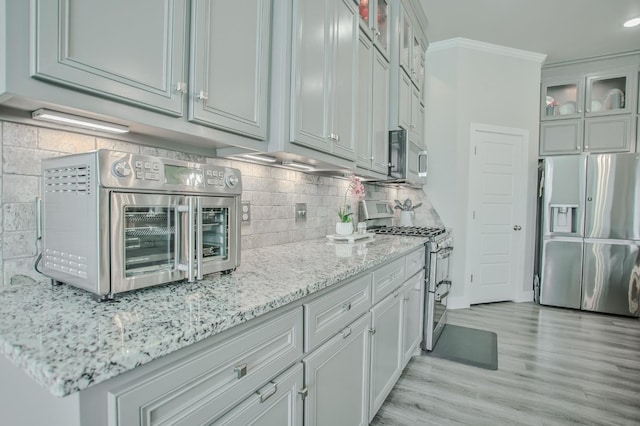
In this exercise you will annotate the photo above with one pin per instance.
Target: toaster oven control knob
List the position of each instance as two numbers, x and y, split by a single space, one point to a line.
232 180
121 168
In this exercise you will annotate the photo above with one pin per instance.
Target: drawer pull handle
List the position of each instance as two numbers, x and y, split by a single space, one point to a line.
269 394
304 393
346 332
241 370
347 306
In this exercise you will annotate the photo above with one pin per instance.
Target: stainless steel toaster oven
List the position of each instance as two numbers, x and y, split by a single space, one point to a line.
114 221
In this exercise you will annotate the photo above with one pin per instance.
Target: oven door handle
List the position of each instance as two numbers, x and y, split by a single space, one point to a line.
440 296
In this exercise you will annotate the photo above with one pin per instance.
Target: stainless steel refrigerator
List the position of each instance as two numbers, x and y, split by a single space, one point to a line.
591 233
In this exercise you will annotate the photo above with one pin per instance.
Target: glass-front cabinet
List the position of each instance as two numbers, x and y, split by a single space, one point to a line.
374 19
592 96
561 100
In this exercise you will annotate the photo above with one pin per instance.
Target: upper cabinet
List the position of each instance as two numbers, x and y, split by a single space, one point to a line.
323 106
229 84
591 96
134 53
138 63
589 106
374 20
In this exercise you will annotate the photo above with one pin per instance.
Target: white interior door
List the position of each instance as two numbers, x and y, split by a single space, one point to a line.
497 188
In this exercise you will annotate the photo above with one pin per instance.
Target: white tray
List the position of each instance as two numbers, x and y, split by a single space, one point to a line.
351 237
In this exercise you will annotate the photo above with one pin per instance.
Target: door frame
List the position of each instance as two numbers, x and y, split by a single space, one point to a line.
520 240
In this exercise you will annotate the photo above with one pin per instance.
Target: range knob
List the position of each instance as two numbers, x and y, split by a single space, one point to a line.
232 180
121 168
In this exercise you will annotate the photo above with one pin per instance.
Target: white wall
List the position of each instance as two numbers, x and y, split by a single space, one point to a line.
472 82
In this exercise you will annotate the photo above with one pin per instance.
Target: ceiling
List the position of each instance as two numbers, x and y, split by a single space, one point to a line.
562 29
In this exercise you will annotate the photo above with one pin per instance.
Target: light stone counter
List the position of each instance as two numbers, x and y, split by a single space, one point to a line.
66 341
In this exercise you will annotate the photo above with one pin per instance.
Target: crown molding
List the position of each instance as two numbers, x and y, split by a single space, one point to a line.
494 49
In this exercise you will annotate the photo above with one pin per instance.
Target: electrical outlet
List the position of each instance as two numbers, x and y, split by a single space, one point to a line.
301 212
246 212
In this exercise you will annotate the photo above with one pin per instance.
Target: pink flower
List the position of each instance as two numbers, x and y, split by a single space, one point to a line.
357 192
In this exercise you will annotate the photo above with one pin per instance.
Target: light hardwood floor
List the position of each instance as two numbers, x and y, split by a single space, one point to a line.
555 367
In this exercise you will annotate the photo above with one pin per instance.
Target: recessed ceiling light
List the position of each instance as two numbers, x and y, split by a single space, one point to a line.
632 23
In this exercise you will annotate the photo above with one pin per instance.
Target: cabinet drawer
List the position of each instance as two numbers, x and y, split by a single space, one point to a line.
327 315
414 262
388 278
277 403
205 385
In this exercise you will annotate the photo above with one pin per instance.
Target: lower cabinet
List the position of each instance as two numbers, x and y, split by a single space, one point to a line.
279 403
386 349
412 308
337 378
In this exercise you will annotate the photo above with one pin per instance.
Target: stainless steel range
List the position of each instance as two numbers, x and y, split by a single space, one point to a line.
439 246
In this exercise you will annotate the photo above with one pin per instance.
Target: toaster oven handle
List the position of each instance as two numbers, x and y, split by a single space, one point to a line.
189 210
198 238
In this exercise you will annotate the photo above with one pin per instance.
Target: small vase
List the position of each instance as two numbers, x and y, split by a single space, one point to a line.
406 218
344 228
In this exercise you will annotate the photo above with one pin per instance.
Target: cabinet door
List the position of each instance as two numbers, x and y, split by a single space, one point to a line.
337 378
386 349
609 94
380 123
416 117
365 105
278 403
406 40
608 134
311 73
345 39
412 314
381 30
230 65
404 100
131 52
562 137
561 99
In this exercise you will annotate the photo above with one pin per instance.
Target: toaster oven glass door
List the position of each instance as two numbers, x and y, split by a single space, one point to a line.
215 224
145 240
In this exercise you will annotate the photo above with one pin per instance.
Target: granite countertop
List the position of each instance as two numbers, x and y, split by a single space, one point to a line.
66 341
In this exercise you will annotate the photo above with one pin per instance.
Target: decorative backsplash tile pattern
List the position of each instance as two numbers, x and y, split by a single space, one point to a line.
272 192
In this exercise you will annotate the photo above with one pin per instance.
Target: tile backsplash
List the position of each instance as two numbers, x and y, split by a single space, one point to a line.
272 193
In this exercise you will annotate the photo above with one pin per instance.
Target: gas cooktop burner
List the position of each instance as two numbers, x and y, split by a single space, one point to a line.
411 231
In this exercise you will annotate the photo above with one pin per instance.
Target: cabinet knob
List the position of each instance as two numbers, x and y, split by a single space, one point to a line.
372 331
346 332
203 96
241 370
346 306
304 392
181 87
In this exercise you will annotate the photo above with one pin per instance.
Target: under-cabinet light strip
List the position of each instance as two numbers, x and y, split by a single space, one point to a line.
74 120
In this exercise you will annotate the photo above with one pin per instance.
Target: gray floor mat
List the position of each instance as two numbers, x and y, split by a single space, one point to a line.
468 346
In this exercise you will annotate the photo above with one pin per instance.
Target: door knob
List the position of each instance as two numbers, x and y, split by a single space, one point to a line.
517 227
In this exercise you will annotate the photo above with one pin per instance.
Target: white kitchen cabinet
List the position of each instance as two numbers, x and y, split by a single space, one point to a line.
326 315
588 106
386 349
323 107
229 84
416 128
279 403
203 386
337 378
410 109
412 314
131 52
387 278
373 108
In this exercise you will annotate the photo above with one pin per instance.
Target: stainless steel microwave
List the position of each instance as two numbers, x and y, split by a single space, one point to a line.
114 222
407 161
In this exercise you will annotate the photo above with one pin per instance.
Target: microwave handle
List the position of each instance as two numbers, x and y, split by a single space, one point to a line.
189 210
422 171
